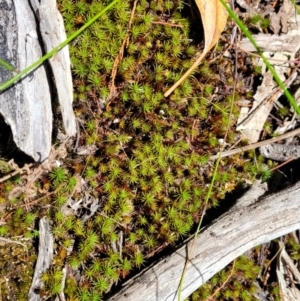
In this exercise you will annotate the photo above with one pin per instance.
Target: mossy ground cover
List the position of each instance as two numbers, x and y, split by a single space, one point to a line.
151 171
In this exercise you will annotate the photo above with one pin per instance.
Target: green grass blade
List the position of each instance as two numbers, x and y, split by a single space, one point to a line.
207 197
37 63
6 65
296 6
269 66
287 94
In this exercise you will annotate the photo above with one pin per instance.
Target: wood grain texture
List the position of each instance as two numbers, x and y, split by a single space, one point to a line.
44 259
29 28
26 106
235 232
52 31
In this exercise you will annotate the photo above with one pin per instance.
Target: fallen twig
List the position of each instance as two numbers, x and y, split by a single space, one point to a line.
256 145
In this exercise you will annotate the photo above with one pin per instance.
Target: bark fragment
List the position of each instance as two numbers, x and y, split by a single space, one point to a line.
27 30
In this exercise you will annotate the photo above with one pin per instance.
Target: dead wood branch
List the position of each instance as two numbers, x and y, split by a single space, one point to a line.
44 259
27 105
242 228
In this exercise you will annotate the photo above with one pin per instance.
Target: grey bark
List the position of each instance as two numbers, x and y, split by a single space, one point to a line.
26 106
44 259
53 33
289 43
245 226
280 152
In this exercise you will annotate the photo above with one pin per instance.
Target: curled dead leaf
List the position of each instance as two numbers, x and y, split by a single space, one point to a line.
214 18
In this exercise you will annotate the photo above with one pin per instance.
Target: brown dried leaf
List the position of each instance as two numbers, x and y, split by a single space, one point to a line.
214 18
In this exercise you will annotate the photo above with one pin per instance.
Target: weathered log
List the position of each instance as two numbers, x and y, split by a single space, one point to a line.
289 43
243 227
26 30
44 259
26 106
52 30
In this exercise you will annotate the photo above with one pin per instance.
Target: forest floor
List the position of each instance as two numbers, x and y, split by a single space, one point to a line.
134 182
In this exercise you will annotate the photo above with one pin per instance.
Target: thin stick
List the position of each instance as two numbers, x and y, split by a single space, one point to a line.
224 283
256 145
119 57
20 171
166 24
39 199
186 74
282 164
10 241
